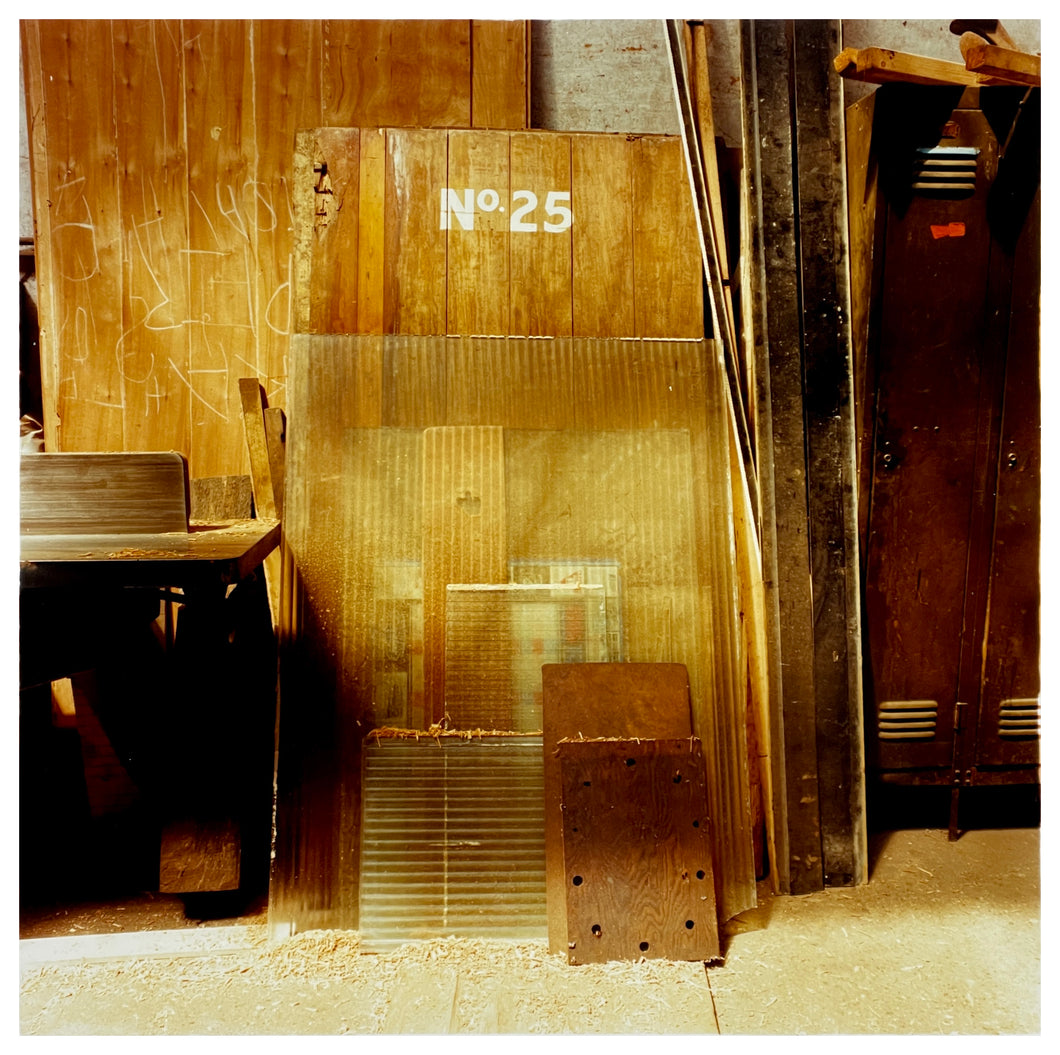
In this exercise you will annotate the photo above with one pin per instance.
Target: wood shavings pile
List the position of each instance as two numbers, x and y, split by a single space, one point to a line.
320 982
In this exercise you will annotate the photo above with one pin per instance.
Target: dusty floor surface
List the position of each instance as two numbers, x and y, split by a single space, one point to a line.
944 939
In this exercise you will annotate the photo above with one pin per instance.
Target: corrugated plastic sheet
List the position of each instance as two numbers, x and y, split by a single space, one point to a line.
452 840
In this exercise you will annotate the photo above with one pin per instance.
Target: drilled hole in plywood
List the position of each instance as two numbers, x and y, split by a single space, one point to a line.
701 874
677 779
695 824
689 924
577 880
644 946
596 930
631 761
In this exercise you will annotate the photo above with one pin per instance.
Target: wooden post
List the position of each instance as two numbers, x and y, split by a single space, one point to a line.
799 310
831 475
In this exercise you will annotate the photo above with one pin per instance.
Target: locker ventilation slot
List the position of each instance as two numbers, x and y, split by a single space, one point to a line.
907 719
1020 719
945 170
453 840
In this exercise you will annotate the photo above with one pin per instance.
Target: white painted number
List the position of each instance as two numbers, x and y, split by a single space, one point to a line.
460 206
518 223
553 208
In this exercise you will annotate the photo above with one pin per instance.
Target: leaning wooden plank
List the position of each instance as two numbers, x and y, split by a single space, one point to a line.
252 398
881 66
990 60
705 126
254 429
638 872
275 435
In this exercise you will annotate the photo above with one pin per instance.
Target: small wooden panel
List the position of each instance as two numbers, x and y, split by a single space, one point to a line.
103 494
637 867
592 700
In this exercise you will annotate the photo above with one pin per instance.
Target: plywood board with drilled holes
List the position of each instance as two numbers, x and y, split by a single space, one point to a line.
592 700
637 868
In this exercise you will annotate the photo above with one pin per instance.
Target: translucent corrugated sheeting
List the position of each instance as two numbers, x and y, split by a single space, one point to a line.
463 510
453 840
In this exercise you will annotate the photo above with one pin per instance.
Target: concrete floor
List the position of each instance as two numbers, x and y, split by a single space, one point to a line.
944 939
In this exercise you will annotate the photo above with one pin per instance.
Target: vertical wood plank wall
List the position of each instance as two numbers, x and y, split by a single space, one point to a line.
162 155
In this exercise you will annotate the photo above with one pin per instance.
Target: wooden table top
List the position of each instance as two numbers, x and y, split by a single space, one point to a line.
221 553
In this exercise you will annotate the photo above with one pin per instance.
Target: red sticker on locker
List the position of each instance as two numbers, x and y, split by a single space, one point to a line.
947 230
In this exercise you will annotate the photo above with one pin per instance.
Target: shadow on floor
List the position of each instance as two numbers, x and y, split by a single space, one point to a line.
893 808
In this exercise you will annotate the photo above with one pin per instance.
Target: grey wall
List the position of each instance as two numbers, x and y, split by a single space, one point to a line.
613 76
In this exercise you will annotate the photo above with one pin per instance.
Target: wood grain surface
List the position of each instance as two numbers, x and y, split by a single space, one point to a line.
637 869
103 494
496 233
165 248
